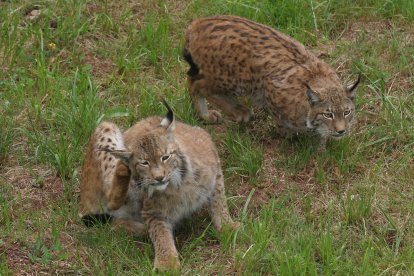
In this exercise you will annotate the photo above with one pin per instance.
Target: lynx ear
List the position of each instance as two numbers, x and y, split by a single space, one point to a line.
312 97
124 155
351 90
169 121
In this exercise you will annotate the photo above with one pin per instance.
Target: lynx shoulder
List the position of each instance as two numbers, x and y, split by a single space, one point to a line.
231 56
150 177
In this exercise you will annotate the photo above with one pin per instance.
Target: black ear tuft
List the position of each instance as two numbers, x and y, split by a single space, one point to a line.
170 113
351 90
168 122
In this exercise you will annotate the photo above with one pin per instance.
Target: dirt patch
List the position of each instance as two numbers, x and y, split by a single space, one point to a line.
375 30
116 9
17 257
66 60
37 187
43 255
213 257
99 66
275 181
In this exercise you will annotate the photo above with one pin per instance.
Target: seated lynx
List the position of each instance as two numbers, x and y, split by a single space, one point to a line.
231 56
150 177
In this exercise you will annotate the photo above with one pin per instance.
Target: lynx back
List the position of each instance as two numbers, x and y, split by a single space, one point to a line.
231 56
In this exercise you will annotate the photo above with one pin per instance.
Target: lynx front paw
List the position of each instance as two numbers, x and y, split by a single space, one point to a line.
243 117
214 117
171 263
234 225
229 225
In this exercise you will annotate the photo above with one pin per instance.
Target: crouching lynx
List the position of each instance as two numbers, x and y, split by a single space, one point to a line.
150 177
231 56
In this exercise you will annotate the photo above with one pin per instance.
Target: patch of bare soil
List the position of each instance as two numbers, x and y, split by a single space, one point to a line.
26 257
99 66
138 9
40 251
28 190
375 30
37 187
115 9
275 181
17 257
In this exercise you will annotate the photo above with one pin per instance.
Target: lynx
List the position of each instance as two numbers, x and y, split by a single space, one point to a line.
150 177
231 56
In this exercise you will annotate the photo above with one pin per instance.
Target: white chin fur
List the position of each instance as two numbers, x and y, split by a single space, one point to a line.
337 137
161 187
308 123
152 189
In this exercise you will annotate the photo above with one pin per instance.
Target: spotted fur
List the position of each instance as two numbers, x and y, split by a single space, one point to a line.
231 56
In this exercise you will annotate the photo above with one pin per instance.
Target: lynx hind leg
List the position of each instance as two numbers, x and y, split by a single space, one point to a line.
104 181
231 107
91 197
115 174
218 208
198 89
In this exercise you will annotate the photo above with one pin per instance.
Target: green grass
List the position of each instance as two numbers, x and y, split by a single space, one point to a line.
346 211
244 156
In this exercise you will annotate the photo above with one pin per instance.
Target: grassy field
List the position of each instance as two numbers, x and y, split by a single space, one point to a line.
67 65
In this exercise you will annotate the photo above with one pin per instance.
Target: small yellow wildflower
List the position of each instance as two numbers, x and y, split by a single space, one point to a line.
52 45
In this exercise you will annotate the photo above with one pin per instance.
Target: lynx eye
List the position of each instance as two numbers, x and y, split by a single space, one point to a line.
328 115
165 157
144 163
347 112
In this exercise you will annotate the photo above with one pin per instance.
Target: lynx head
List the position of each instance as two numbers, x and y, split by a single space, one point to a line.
155 160
332 112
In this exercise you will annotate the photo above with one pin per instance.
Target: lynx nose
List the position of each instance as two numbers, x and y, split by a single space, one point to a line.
159 178
339 133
